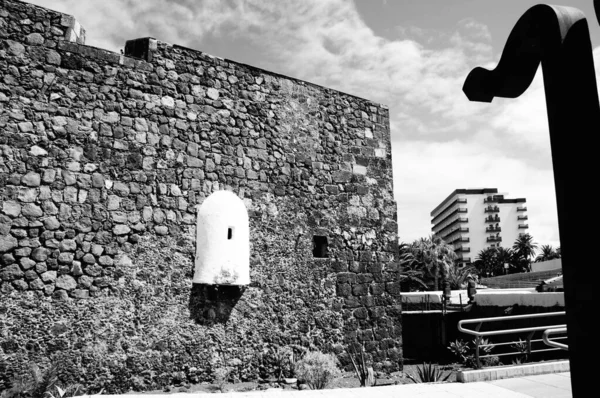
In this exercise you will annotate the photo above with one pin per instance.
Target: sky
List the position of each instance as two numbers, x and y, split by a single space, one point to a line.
411 55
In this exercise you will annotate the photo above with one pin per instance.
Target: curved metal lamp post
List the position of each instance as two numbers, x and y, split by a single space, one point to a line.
559 38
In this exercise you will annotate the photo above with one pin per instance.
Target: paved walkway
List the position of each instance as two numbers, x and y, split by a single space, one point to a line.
556 385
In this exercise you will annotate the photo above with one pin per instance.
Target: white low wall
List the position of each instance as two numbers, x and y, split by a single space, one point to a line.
527 297
435 297
420 297
522 297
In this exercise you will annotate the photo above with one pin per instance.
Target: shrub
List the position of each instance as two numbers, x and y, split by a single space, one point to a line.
521 347
277 361
40 384
71 391
516 361
6 373
222 377
466 353
460 349
491 361
317 369
429 373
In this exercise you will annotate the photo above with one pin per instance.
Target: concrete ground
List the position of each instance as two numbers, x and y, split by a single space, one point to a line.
555 385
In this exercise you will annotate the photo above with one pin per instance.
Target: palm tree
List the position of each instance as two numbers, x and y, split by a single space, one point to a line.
505 256
524 249
411 271
486 262
547 253
437 257
491 261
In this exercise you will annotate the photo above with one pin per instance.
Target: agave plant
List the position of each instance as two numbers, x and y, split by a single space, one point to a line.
40 384
429 373
457 276
362 370
522 348
71 391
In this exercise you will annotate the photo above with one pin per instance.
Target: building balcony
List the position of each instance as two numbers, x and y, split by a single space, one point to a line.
492 218
453 231
461 200
451 240
523 226
494 239
462 249
522 208
522 218
465 259
445 215
493 229
456 238
450 228
490 199
492 209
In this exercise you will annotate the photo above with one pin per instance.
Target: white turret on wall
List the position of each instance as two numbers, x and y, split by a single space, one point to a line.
222 241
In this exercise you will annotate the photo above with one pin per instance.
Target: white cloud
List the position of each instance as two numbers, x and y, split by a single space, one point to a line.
441 141
430 171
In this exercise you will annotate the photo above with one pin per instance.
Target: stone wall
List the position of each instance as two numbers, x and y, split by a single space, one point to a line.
103 161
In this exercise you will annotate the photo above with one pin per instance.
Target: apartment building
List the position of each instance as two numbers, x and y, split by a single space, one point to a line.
475 219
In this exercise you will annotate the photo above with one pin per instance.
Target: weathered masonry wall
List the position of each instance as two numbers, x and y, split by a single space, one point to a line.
103 160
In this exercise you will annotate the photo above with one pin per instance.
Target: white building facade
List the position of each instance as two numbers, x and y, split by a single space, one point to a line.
475 219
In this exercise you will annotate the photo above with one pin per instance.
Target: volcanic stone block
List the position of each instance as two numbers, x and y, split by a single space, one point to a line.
66 282
48 276
11 273
65 258
7 243
32 210
11 208
26 263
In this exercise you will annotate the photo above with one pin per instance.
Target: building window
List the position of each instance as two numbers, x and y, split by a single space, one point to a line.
229 233
320 247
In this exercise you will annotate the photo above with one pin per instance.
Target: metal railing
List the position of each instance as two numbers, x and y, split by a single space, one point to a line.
552 343
547 330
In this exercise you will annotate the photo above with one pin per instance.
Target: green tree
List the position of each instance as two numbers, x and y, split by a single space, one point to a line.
524 250
547 253
505 256
411 271
490 261
436 256
486 261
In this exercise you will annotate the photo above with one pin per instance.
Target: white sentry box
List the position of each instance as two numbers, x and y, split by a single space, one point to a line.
222 241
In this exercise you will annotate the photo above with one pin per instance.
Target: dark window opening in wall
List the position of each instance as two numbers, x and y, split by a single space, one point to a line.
229 233
320 247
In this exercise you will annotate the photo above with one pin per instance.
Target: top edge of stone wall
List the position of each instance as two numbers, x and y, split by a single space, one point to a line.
139 52
258 69
74 32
